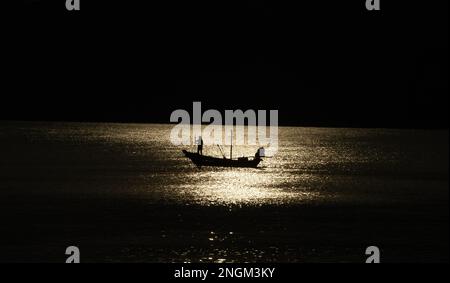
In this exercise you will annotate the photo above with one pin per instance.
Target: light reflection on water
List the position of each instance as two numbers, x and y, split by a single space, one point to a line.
312 164
241 186
131 179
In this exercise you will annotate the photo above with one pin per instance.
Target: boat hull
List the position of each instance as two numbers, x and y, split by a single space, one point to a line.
201 160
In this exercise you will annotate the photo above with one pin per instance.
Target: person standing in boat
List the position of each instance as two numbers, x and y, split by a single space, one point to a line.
261 152
200 146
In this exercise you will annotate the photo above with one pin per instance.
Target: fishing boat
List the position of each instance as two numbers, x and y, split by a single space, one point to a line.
202 160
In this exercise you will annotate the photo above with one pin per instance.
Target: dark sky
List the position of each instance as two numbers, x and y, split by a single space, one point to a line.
328 63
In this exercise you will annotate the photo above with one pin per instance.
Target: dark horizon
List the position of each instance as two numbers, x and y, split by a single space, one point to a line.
329 64
311 125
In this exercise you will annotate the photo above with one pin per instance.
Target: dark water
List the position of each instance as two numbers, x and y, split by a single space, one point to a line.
124 193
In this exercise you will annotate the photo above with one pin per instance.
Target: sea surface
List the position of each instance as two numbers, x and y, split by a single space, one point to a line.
124 193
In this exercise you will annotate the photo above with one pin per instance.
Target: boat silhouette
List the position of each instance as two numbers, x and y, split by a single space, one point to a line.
202 160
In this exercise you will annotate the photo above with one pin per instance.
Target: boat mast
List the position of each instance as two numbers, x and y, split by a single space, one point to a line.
231 147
